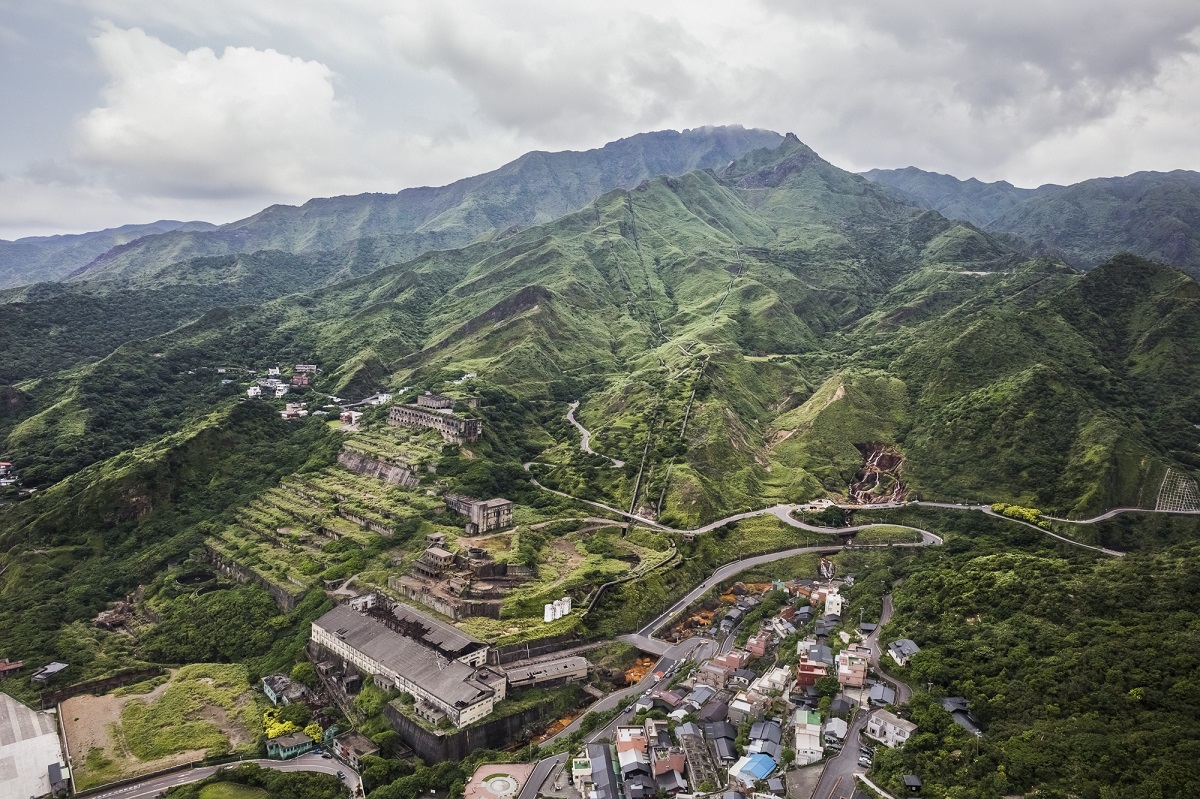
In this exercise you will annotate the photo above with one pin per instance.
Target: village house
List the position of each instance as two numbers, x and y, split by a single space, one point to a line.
956 706
759 643
352 747
306 368
808 737
300 379
293 410
852 666
889 729
752 769
253 391
902 651
350 417
280 391
285 747
280 689
814 662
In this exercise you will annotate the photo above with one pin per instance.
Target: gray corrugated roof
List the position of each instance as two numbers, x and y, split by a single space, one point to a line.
446 679
438 634
548 669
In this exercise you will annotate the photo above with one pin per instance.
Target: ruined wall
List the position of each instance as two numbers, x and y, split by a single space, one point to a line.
533 649
237 571
456 745
387 472
456 609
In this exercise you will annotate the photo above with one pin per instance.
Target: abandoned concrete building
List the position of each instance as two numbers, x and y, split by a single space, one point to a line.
459 585
399 647
454 429
431 400
483 515
443 687
434 562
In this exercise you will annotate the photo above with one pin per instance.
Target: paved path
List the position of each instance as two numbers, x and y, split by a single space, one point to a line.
155 786
1118 511
585 441
903 692
837 778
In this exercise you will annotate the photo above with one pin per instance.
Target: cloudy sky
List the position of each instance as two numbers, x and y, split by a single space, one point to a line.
120 111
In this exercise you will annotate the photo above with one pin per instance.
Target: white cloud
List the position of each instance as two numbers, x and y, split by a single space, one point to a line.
243 122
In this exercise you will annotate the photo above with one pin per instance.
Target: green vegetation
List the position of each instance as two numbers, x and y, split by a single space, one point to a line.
249 781
737 338
169 724
886 534
1074 222
231 790
1073 665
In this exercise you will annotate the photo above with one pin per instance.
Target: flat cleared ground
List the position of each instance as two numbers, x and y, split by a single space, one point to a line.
202 709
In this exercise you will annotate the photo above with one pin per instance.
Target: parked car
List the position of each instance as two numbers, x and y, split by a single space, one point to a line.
327 756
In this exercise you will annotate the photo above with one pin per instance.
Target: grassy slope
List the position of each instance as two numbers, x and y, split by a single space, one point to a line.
728 298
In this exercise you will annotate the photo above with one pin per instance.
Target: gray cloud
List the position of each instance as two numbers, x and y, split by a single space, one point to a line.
280 100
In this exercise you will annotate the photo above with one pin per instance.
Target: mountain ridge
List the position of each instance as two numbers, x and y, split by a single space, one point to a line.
549 184
1155 215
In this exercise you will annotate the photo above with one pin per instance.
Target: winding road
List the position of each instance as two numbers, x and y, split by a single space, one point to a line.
585 441
784 512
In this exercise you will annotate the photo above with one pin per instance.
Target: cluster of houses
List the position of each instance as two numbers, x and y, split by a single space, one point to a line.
8 474
276 384
349 747
779 705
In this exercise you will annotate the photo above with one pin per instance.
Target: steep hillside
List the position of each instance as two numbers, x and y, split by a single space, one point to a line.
37 259
535 188
1152 214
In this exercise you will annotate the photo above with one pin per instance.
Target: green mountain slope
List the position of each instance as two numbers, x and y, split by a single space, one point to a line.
741 335
535 188
36 259
1152 214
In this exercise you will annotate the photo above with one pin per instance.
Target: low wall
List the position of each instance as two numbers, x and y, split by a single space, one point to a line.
50 699
387 472
532 649
497 734
237 571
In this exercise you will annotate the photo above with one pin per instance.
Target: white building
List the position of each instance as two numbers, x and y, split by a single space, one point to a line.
889 729
253 391
808 737
833 603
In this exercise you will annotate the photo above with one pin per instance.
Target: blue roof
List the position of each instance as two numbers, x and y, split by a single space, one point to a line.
758 766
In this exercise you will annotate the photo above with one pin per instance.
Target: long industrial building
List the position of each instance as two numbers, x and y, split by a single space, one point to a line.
456 429
415 660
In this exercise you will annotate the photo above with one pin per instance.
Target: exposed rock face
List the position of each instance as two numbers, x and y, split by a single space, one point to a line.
381 470
879 479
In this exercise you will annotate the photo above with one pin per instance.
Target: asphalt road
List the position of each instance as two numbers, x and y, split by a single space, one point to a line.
903 692
154 786
585 436
837 779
